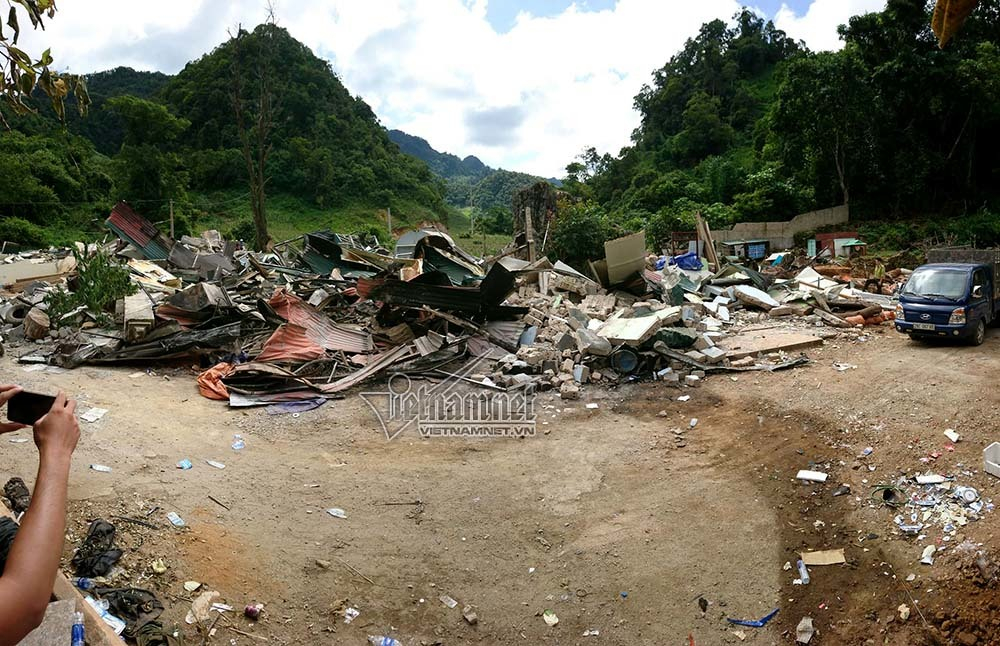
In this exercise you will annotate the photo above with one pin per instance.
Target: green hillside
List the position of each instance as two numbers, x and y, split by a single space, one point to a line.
151 139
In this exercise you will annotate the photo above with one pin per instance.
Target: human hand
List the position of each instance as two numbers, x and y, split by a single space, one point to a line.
6 392
57 432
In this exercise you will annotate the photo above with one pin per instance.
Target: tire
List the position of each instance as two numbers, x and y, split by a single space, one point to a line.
980 334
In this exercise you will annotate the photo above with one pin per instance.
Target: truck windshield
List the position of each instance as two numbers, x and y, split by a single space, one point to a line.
941 283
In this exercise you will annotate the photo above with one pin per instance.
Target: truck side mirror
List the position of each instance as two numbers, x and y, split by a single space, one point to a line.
977 291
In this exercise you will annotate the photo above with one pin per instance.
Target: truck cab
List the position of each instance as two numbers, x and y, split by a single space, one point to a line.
953 300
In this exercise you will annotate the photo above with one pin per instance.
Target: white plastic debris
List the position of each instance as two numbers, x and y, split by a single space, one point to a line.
811 476
94 414
930 478
952 435
927 558
550 618
337 512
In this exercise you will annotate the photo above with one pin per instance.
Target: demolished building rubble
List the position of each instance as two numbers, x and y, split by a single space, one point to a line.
328 311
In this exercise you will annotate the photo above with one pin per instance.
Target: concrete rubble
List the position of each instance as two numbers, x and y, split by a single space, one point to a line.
324 312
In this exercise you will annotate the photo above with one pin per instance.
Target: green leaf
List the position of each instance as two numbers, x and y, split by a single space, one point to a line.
12 23
46 58
27 82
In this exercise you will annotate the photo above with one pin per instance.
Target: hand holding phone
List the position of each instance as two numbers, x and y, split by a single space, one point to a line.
7 392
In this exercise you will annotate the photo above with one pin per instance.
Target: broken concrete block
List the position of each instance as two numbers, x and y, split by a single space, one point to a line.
688 316
567 365
703 341
714 355
754 297
589 343
569 390
138 313
745 362
633 331
692 380
695 355
700 374
565 341
36 324
669 315
581 373
782 310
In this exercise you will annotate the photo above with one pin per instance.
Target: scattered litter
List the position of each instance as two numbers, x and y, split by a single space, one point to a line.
904 611
694 422
252 611
191 586
593 406
927 557
842 490
804 631
101 468
336 512
94 414
185 464
755 623
470 616
238 443
930 478
382 640
175 519
201 607
550 618
844 367
684 398
18 440
812 476
213 463
952 435
448 601
740 635
803 572
350 614
824 557
591 633
158 566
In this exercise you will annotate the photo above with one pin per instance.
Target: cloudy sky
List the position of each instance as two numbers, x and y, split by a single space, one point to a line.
522 84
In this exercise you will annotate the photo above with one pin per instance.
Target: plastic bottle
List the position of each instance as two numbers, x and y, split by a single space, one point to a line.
101 606
83 583
803 572
381 640
78 631
238 443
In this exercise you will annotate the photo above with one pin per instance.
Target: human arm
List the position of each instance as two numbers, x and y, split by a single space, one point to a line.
26 584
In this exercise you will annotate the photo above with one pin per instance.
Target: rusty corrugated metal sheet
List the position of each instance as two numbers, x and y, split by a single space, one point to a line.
290 342
143 234
319 328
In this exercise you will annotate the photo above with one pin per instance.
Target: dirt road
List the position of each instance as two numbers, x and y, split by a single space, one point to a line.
600 517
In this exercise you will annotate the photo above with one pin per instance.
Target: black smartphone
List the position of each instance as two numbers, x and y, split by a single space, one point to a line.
28 408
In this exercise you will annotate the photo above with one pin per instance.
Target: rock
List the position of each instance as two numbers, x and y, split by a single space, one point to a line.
569 391
782 310
36 324
326 565
565 342
567 366
968 639
470 615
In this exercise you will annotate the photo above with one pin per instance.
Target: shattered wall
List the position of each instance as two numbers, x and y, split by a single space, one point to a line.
782 234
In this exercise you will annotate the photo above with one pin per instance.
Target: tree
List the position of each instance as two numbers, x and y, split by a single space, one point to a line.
253 107
148 167
20 76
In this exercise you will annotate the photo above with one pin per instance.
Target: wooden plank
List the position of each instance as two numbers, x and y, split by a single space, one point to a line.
98 632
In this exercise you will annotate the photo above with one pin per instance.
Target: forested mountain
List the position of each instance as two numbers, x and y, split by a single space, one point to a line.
444 165
745 124
469 182
150 139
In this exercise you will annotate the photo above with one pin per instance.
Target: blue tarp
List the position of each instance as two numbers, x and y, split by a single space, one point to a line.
689 261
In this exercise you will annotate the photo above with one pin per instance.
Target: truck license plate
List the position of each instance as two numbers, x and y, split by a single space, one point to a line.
923 326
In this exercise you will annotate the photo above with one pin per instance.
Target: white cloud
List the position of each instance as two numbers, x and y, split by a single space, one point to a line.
529 99
818 25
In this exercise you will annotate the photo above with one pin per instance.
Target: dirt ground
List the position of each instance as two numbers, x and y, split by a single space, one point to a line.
601 517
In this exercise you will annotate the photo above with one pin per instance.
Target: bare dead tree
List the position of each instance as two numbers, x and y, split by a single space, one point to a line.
253 102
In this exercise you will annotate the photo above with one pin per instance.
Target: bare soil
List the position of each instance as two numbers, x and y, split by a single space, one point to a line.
601 517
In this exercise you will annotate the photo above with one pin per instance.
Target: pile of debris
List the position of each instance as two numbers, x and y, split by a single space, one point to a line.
323 312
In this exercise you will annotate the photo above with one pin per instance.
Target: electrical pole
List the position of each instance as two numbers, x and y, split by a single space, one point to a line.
171 219
389 220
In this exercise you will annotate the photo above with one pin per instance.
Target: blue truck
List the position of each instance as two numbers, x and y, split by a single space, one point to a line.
956 295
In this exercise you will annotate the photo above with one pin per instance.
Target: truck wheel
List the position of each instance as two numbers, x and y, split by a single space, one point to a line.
980 334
